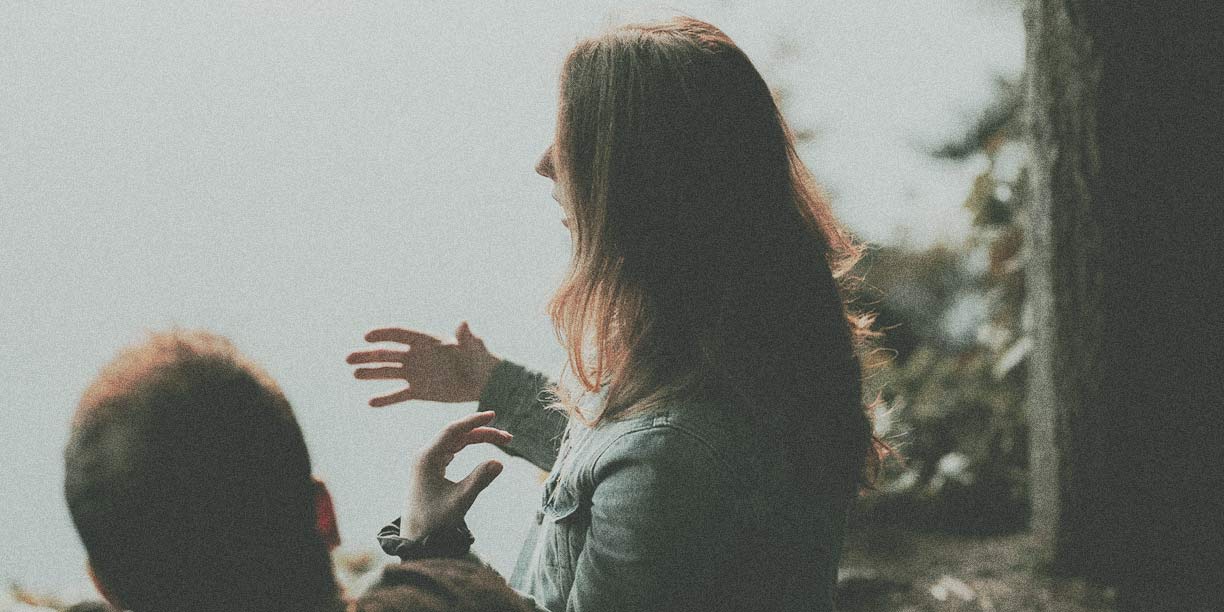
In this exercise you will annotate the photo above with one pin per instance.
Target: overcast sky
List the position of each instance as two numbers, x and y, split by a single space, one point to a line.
291 174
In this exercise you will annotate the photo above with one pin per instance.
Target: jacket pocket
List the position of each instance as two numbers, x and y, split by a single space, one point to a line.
560 501
562 531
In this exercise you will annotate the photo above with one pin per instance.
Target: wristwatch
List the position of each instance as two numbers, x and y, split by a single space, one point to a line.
454 542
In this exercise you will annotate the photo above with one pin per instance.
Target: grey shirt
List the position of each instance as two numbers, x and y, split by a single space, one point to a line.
681 508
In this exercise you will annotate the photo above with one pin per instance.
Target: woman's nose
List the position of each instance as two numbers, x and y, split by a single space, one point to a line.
544 167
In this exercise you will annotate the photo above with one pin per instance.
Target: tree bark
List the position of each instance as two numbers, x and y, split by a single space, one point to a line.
1125 111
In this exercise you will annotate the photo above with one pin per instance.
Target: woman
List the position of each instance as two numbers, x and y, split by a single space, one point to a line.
714 468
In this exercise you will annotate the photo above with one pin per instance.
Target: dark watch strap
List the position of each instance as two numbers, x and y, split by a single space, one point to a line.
451 542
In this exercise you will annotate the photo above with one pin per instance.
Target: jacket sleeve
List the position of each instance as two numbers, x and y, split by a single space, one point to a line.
662 509
517 395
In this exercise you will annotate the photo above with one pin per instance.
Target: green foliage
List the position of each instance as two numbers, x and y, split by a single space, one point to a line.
952 318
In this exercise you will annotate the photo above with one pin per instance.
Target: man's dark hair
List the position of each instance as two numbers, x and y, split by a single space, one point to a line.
440 585
189 483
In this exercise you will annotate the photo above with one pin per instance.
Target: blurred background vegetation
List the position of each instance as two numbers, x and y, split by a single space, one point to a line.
947 529
950 365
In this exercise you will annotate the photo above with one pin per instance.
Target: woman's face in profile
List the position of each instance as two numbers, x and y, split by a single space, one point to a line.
546 167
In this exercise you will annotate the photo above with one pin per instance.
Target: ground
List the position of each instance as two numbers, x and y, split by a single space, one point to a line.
884 568
898 570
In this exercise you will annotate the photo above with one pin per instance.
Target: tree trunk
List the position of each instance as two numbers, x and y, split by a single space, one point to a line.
1124 397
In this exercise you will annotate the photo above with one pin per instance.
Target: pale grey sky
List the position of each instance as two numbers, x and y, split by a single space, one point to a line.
291 174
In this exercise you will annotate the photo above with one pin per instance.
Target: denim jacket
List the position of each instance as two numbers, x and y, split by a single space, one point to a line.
682 508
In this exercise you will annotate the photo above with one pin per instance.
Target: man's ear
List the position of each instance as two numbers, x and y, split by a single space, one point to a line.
110 599
325 515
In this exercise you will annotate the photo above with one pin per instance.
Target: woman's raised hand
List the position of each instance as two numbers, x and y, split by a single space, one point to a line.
435 370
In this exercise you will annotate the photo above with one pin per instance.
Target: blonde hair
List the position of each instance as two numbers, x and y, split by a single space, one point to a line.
706 261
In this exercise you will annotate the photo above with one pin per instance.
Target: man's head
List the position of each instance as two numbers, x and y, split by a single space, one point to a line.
189 483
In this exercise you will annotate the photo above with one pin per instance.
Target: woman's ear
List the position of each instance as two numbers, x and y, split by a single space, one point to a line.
325 515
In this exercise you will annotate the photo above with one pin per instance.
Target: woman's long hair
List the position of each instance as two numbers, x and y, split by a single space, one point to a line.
706 261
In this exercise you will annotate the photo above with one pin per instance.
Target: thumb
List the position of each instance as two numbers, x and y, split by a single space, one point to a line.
480 479
465 337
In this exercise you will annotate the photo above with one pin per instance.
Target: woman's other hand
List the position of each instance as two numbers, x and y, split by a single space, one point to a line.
434 370
436 503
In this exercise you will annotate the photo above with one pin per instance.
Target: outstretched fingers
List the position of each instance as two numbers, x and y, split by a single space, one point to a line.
401 335
396 372
402 395
461 434
376 356
379 373
485 435
456 430
479 480
404 367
